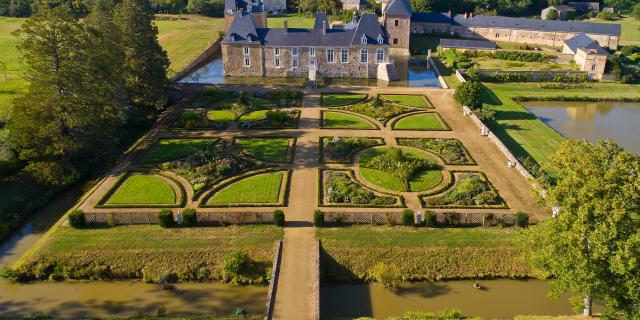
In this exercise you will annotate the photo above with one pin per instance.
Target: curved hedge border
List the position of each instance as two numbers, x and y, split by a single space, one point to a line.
350 172
181 201
392 122
296 126
366 96
282 203
174 127
355 114
321 158
452 183
464 149
429 104
291 151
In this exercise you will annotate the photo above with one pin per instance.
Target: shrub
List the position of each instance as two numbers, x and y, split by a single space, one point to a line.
189 218
234 265
388 275
552 15
468 94
417 315
522 219
451 314
430 219
76 219
407 217
278 218
165 218
277 118
452 219
606 16
318 218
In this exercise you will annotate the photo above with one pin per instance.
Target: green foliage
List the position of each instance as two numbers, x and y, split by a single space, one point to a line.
592 246
378 109
278 218
209 8
408 218
526 56
397 164
387 275
451 150
430 219
636 11
76 219
553 15
606 16
451 314
468 94
189 217
312 6
485 113
234 266
318 218
570 78
165 218
285 98
522 219
418 315
469 190
506 77
341 148
277 118
341 189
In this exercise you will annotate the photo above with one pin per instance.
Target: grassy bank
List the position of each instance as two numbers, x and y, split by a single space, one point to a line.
147 252
420 254
11 83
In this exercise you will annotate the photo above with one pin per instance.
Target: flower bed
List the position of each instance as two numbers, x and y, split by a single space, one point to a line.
451 150
338 188
342 149
470 189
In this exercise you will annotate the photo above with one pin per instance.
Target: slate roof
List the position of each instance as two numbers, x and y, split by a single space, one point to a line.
368 25
521 23
467 44
242 29
398 8
583 41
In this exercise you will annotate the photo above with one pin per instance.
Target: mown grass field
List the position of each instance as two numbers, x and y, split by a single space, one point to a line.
341 120
261 188
146 252
270 149
411 100
143 189
630 30
293 21
421 254
173 149
340 99
11 83
421 121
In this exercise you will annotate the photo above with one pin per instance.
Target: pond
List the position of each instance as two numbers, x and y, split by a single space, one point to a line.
412 73
592 120
497 299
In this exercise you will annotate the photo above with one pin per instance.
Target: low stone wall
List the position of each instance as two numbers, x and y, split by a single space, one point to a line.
315 281
204 218
435 69
275 274
206 55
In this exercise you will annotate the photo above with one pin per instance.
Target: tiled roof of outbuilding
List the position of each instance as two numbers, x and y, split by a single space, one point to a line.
583 41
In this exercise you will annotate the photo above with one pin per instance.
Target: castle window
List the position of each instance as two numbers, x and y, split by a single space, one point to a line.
247 62
330 55
294 63
379 55
395 40
344 55
246 50
294 51
497 35
364 56
363 40
312 51
396 22
276 51
380 39
277 62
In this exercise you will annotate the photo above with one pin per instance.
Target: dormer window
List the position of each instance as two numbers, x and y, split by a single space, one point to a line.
233 37
249 37
380 39
363 40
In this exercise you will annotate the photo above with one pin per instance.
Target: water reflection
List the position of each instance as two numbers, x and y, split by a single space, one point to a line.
592 120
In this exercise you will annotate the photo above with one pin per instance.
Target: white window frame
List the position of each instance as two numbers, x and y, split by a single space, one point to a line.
363 39
331 56
247 62
276 52
364 53
294 63
245 50
312 51
276 62
380 39
379 52
294 51
344 58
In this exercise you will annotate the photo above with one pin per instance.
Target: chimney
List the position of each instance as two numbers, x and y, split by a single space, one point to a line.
286 26
324 27
241 12
354 18
470 14
466 15
450 14
249 7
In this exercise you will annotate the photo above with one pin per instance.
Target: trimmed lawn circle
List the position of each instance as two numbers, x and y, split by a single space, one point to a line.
143 189
260 188
253 115
341 99
342 120
421 181
173 149
410 100
269 149
420 121
221 115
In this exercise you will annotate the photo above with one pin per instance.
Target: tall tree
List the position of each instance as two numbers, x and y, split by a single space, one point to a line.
145 62
68 116
593 246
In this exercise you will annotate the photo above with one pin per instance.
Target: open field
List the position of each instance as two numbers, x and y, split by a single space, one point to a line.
630 30
12 83
293 20
421 254
261 188
146 252
143 189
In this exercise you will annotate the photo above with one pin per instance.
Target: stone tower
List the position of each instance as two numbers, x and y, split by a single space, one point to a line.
396 16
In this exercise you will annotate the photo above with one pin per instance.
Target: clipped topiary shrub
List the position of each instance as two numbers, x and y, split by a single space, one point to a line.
430 219
407 218
318 218
76 219
189 218
522 219
165 218
278 218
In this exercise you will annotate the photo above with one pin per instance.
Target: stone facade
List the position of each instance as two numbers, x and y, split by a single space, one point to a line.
399 33
233 59
591 62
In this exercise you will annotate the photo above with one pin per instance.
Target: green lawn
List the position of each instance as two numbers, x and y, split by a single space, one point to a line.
630 30
293 21
270 149
490 63
221 115
253 115
173 149
421 121
410 100
143 189
261 188
421 181
340 99
341 120
13 84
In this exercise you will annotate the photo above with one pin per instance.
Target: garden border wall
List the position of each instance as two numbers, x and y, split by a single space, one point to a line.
435 69
275 275
214 48
204 218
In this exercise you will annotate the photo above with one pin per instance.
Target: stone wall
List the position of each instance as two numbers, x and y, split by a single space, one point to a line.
233 60
586 61
286 68
401 32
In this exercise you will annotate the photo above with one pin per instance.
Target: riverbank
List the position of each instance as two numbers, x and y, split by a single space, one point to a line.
145 252
421 254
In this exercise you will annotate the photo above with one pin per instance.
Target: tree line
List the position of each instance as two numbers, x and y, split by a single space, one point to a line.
91 81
